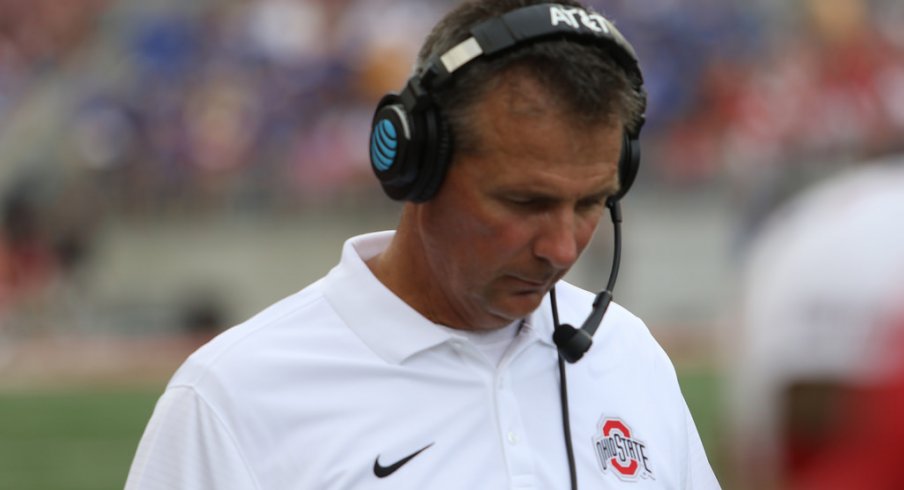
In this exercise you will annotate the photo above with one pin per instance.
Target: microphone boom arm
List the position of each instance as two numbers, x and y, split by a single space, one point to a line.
574 343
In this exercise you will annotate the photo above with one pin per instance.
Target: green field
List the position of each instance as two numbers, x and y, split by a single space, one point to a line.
702 390
70 439
85 439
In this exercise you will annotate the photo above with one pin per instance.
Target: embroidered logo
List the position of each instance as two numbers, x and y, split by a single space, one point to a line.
618 451
384 471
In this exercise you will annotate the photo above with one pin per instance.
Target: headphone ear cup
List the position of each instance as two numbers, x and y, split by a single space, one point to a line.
436 158
628 164
394 148
409 151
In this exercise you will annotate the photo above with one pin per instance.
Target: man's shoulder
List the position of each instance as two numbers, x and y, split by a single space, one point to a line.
290 323
575 304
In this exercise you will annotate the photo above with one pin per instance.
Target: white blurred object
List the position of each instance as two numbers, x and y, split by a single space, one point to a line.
288 31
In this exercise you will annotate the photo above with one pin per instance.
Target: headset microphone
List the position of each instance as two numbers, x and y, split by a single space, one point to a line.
573 343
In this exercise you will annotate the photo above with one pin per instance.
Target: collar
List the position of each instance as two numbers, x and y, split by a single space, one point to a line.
387 325
390 327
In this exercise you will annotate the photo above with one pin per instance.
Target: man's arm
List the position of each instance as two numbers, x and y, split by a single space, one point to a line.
186 445
700 475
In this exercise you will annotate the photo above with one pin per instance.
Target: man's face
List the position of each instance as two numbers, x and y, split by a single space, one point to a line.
514 216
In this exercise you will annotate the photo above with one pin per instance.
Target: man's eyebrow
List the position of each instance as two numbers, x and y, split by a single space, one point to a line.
545 195
600 195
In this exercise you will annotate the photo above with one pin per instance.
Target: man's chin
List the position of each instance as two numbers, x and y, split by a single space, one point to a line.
519 305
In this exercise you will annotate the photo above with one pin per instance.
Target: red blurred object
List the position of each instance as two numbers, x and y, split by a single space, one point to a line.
865 447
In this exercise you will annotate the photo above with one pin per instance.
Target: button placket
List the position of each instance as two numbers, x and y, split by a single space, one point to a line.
512 434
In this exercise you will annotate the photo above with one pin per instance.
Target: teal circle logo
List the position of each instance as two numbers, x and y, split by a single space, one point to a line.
383 145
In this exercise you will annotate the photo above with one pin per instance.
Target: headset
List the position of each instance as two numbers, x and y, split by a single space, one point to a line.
411 144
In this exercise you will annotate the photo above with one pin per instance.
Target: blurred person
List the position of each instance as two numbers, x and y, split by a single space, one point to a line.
379 51
435 356
821 283
28 262
288 32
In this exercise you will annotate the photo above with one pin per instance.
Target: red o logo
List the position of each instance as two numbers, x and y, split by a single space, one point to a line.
618 425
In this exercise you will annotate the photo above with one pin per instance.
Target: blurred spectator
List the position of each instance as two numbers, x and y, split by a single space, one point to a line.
47 234
36 35
27 259
203 316
821 283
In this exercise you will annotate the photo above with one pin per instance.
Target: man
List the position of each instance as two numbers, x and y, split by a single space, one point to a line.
425 358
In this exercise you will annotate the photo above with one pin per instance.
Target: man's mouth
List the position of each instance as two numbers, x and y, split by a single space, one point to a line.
531 285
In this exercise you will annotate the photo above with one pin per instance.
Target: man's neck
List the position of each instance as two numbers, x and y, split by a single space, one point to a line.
402 269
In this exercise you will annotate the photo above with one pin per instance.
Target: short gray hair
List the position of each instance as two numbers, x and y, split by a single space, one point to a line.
584 79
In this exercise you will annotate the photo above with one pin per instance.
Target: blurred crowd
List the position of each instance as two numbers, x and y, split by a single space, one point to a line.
263 103
36 35
251 104
37 245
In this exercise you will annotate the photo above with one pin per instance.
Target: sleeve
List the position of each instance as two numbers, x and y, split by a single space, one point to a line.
700 474
187 446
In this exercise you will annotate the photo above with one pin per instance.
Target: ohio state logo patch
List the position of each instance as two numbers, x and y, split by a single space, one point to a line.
620 452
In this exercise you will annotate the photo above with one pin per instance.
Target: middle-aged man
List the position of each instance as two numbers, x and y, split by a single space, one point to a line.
425 359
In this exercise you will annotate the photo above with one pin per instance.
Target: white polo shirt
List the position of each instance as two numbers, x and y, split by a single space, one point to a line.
336 385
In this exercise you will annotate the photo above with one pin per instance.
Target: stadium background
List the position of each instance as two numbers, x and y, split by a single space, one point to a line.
169 168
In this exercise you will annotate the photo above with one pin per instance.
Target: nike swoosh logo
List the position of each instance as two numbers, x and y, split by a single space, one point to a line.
384 471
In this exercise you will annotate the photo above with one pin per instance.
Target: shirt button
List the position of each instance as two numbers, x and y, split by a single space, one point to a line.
513 438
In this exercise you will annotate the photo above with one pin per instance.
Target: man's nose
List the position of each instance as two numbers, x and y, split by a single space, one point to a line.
557 241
